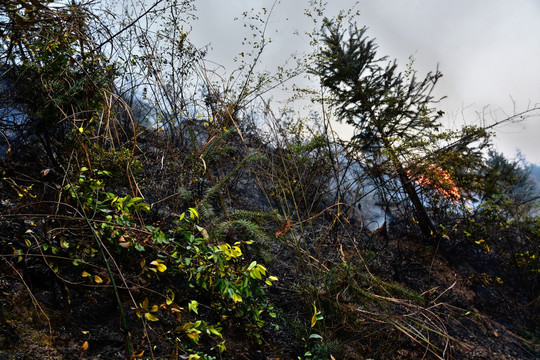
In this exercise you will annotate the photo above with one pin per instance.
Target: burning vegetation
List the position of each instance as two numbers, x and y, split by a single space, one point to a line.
439 180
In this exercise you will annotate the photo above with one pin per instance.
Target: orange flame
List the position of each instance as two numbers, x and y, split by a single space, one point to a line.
440 180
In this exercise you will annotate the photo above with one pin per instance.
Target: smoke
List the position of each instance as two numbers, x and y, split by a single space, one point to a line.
488 53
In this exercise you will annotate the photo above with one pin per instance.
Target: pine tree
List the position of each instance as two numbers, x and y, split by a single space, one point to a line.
392 112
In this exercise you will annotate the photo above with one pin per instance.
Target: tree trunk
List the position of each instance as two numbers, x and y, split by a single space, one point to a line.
428 230
426 226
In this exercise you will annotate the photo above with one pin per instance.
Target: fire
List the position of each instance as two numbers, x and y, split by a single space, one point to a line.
440 180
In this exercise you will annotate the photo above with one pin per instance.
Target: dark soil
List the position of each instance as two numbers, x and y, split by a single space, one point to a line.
43 316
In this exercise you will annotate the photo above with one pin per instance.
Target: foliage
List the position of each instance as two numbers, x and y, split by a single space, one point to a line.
397 130
302 170
215 269
218 269
506 185
59 76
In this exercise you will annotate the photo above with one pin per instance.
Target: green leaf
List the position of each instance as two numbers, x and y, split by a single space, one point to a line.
215 331
255 274
159 237
139 247
193 305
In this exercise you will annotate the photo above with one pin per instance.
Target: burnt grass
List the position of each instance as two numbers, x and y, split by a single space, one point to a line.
364 283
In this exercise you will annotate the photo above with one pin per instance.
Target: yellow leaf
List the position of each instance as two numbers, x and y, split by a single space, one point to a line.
150 317
139 355
84 346
237 298
255 274
314 317
97 279
170 297
193 334
81 129
161 267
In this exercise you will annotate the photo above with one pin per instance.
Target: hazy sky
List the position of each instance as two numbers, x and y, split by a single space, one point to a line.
488 51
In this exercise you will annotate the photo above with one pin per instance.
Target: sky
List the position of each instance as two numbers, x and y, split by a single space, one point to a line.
488 51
